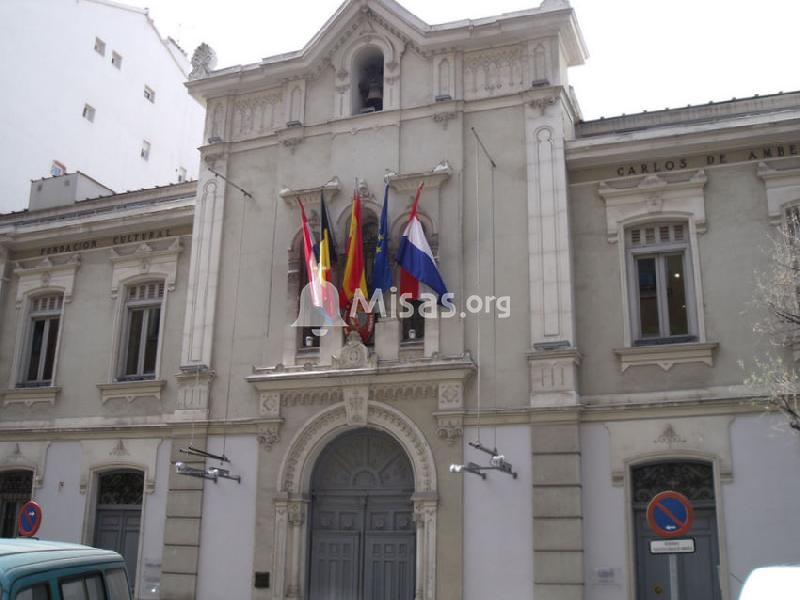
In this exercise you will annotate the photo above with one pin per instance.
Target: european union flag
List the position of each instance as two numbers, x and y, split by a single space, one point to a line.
382 268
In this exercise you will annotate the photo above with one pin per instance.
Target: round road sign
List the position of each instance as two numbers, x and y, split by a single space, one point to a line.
30 519
670 514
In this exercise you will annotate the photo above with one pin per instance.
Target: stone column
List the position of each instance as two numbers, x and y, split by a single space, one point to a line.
182 525
3 267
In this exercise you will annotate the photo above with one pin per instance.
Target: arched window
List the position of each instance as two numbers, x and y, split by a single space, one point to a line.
367 74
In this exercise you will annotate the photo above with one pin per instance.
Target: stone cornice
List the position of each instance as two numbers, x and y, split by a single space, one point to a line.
683 139
555 19
31 233
165 426
311 196
319 377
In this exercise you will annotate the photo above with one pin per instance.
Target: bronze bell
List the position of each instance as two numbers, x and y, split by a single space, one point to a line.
375 91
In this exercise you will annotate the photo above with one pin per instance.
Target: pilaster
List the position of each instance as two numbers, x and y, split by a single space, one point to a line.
557 512
550 265
202 294
182 525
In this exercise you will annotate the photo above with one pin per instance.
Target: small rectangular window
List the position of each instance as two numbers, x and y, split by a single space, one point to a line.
40 591
149 94
142 330
662 305
116 60
89 587
414 324
117 583
99 46
45 317
145 152
88 112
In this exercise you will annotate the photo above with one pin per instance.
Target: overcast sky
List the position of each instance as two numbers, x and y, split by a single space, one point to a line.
643 54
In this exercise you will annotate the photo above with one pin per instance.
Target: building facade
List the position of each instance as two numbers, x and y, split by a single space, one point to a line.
602 275
108 81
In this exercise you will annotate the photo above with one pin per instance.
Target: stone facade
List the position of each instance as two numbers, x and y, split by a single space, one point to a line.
522 199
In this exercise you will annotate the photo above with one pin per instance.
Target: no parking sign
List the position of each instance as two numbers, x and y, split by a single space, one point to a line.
29 519
670 514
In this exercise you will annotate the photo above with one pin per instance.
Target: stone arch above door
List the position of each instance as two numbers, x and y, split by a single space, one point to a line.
295 472
294 482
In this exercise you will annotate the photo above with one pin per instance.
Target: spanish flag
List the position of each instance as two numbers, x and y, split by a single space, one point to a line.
354 274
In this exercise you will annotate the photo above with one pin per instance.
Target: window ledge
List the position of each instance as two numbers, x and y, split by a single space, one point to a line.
667 355
31 395
131 390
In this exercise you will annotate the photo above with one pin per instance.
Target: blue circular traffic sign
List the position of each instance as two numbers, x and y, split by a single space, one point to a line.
30 519
670 514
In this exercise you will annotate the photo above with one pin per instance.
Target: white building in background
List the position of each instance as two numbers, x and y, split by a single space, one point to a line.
91 86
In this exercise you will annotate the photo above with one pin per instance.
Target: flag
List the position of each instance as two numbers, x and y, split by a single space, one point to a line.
416 258
325 249
382 268
312 268
354 276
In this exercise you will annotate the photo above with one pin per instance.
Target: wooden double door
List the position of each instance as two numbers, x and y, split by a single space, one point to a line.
362 529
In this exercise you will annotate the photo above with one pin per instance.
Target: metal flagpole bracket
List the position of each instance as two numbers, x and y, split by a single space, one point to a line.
497 462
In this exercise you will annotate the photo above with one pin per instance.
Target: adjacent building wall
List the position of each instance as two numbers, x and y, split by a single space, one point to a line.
57 71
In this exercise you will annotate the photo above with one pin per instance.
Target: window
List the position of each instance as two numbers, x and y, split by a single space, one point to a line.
116 60
40 591
117 583
88 587
45 317
145 152
88 112
181 174
414 324
99 46
142 329
660 284
149 94
368 84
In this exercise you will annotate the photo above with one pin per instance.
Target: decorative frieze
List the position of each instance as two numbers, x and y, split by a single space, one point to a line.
403 391
258 114
494 72
451 395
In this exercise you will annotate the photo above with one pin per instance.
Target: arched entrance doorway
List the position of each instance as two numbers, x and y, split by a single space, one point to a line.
362 526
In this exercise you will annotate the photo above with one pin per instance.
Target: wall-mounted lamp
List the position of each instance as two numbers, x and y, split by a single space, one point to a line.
469 468
182 468
497 462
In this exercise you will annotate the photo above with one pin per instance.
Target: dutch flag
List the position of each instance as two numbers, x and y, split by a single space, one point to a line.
416 259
